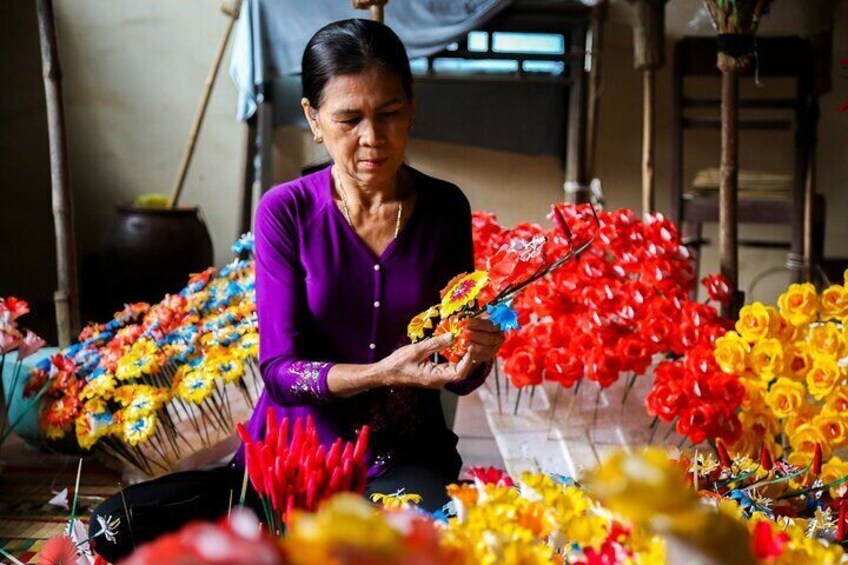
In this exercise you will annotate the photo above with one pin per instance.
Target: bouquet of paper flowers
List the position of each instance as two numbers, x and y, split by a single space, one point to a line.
792 360
157 383
494 286
24 343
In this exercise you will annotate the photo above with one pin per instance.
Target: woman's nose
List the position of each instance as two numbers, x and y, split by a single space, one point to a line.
371 135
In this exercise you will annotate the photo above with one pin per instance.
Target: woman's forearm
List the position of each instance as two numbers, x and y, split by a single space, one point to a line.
345 380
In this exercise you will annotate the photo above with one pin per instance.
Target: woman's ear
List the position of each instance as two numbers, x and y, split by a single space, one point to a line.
312 118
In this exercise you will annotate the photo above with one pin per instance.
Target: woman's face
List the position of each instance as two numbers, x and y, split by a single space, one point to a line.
364 120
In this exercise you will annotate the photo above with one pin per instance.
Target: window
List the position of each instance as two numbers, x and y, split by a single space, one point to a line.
499 53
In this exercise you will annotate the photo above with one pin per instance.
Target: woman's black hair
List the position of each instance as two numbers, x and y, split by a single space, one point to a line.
349 47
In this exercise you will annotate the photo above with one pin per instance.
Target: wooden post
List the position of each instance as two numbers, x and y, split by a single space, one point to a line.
648 56
736 23
375 6
66 297
232 13
728 181
576 175
593 104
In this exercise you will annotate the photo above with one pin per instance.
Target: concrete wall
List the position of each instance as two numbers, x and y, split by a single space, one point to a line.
134 70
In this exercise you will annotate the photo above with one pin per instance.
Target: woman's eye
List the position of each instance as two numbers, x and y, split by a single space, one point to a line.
350 122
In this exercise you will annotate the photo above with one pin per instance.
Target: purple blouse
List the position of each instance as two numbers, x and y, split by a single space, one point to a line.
324 297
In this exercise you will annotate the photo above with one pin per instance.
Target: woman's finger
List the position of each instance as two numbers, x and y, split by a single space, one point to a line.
482 325
484 339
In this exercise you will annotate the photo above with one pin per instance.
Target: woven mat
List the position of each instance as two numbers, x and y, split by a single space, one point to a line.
28 481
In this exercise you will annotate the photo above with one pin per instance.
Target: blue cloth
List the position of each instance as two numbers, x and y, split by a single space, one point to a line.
272 34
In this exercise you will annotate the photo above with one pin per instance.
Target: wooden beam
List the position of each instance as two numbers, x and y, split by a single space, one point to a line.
66 297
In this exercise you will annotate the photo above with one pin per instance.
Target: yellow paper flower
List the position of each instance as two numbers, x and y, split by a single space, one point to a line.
195 386
785 397
797 361
804 441
753 323
420 323
833 427
833 470
463 292
731 353
823 377
346 529
767 358
97 387
825 339
395 500
799 304
138 430
779 327
833 303
755 392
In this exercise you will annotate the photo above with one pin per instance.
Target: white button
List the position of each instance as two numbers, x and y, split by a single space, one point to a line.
373 346
376 267
376 304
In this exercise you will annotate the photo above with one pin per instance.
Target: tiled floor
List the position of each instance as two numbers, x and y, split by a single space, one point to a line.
476 443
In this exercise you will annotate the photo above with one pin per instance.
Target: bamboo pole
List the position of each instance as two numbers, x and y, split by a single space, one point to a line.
66 297
232 12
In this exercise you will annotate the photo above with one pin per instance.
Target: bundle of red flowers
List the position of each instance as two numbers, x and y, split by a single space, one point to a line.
624 301
290 469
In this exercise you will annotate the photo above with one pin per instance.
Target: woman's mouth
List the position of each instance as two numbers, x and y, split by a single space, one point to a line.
372 163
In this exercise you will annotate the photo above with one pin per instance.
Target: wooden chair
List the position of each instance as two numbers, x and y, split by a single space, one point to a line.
777 57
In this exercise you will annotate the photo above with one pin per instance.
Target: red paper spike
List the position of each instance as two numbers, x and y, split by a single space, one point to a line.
254 468
361 445
244 434
562 224
723 455
334 456
841 525
817 461
766 461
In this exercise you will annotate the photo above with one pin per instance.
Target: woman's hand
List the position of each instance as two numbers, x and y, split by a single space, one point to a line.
411 366
485 339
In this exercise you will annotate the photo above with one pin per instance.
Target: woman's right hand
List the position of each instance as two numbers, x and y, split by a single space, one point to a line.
410 365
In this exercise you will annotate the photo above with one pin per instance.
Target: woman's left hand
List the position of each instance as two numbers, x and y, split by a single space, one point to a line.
485 339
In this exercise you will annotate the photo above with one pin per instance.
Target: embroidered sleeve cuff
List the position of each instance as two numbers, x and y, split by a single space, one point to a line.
309 380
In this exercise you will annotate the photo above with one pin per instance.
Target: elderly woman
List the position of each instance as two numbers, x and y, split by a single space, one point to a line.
345 257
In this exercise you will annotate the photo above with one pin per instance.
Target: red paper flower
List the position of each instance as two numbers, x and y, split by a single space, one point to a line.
718 288
59 550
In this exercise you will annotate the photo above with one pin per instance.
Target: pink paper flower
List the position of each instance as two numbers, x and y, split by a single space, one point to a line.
29 345
9 340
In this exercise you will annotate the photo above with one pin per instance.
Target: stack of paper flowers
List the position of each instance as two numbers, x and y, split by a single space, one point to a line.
158 382
623 305
793 362
643 508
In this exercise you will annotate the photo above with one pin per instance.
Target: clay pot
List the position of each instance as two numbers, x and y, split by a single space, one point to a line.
150 252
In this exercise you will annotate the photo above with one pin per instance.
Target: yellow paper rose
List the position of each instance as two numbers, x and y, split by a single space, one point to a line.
767 358
832 426
779 327
753 323
834 470
805 438
731 353
803 416
799 304
825 340
823 377
833 303
797 361
785 397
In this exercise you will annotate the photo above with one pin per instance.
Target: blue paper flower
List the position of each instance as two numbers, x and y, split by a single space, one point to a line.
503 316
